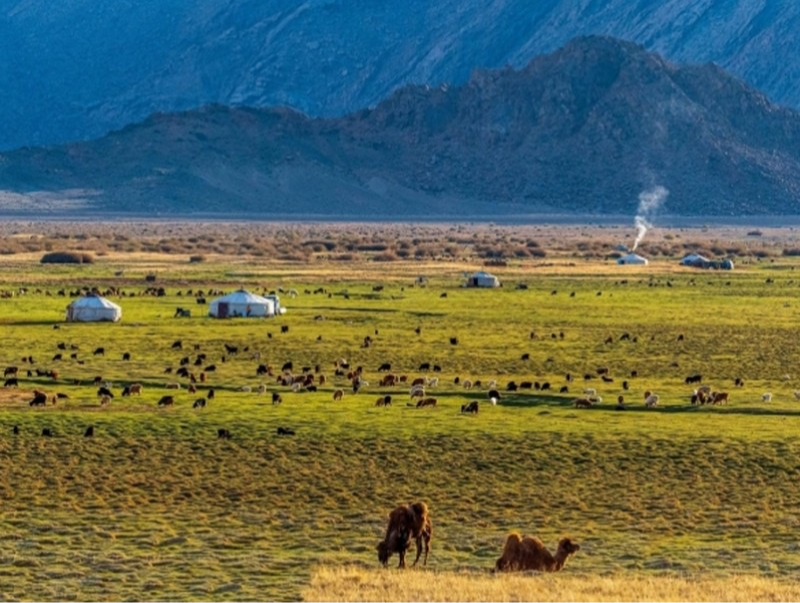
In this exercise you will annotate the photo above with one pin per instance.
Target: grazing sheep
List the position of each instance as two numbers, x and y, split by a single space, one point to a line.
199 403
105 400
223 434
288 431
276 398
417 391
767 397
406 522
511 386
172 386
563 390
426 402
338 395
651 401
89 432
466 384
432 382
590 391
493 393
166 401
582 403
47 432
529 553
262 389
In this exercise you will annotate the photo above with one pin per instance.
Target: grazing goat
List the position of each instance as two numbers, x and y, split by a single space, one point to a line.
471 407
39 398
529 553
406 523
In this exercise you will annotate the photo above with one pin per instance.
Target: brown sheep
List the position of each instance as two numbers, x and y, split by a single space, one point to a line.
338 394
582 403
529 553
426 402
406 522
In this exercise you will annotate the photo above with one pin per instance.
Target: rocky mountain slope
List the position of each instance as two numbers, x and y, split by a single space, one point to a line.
584 129
75 70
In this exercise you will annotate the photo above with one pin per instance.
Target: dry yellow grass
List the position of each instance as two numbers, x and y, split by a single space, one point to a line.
352 583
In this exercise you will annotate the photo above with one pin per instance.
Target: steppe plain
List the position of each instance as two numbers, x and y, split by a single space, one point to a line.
156 507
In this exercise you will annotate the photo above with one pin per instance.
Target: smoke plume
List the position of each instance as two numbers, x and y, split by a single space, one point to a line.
649 202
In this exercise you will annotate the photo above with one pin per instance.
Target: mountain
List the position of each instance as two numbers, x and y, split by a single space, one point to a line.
584 129
76 70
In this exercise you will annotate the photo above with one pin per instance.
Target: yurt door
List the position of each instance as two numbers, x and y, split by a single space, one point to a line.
222 310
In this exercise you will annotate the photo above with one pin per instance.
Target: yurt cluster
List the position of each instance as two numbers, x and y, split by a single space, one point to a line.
93 307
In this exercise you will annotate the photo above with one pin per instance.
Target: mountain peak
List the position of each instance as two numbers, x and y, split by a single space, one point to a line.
584 129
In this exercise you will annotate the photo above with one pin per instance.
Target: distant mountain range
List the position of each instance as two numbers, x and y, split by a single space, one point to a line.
77 69
584 129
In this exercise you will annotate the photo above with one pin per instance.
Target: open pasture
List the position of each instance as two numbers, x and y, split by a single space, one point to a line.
156 506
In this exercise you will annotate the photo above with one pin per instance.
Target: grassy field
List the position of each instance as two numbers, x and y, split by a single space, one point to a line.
155 506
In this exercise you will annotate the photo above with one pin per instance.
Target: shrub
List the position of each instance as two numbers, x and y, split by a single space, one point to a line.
67 257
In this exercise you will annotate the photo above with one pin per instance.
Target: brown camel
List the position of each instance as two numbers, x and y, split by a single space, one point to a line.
406 523
529 553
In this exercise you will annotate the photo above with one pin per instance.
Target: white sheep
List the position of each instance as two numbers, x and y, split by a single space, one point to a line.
417 391
651 401
590 391
432 381
492 384
766 397
262 389
467 384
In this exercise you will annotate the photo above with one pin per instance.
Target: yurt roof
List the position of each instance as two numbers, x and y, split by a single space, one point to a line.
632 258
243 297
94 301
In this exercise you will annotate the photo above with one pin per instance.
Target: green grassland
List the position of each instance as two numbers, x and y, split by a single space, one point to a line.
156 507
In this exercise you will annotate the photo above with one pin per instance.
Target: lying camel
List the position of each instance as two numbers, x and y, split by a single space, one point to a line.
406 522
529 553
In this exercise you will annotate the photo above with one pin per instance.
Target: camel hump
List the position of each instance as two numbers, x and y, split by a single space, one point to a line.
420 508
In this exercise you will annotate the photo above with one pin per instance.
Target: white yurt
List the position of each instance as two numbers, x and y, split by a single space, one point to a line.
632 258
482 279
242 303
695 260
93 308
